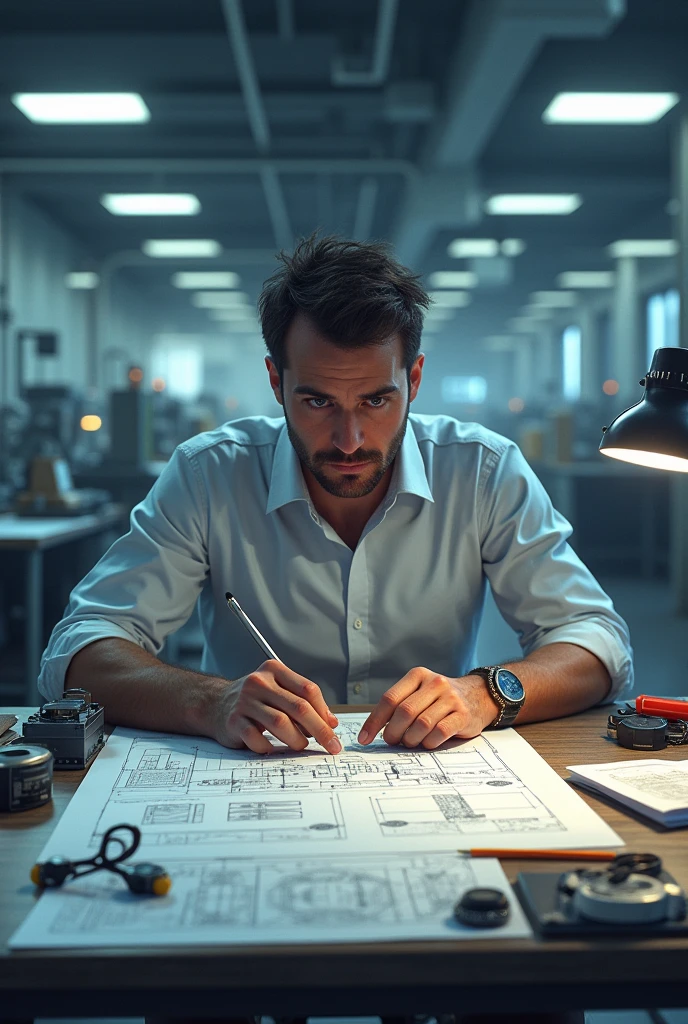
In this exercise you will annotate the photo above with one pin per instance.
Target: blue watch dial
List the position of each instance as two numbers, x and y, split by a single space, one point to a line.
509 685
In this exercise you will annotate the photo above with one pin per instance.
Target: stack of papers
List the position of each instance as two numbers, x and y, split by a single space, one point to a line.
654 787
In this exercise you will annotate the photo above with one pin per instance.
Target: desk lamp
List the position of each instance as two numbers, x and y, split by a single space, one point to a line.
654 432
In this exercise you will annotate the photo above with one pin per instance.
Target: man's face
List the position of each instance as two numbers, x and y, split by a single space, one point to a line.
346 409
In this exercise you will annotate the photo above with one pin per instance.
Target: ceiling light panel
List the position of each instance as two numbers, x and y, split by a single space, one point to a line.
206 279
513 247
151 204
82 108
467 248
220 300
181 248
451 300
453 279
643 247
232 313
82 280
555 300
586 279
522 203
609 107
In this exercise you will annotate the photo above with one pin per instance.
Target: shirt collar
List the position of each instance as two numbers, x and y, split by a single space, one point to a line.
287 483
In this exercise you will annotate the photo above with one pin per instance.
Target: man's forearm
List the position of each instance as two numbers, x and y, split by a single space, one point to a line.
560 679
138 690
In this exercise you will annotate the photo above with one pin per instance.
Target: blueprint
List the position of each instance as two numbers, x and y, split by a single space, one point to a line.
228 901
357 846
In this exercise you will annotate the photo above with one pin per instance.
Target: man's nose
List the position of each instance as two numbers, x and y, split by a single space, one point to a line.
347 435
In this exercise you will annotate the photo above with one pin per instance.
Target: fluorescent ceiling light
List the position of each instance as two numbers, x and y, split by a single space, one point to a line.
451 300
206 279
220 300
466 248
609 107
556 300
82 107
453 279
181 248
523 325
150 204
643 247
586 279
82 280
513 246
532 203
439 313
233 313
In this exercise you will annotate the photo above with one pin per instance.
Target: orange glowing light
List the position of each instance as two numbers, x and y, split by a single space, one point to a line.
136 375
516 405
611 387
231 402
91 423
158 384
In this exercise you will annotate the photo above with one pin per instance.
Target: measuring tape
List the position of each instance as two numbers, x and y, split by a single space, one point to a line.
26 777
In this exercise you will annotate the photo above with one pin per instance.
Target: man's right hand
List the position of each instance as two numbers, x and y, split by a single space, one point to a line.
276 699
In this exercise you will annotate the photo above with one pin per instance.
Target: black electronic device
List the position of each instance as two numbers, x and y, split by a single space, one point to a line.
645 732
482 908
26 777
72 728
632 894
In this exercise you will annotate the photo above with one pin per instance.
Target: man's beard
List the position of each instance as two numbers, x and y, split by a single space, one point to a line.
349 486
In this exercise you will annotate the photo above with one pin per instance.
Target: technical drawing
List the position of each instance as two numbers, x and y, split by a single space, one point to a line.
173 814
275 810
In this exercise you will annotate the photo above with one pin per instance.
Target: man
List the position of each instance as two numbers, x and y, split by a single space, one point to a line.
358 537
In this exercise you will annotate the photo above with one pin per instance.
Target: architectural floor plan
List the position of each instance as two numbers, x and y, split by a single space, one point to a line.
256 841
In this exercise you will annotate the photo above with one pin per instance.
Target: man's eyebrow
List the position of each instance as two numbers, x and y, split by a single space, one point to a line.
305 389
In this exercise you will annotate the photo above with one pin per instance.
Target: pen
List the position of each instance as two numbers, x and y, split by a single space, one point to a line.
543 854
243 617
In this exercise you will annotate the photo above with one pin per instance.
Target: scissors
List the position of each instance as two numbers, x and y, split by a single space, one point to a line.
142 878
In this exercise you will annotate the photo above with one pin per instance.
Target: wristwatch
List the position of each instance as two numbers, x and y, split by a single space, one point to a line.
506 690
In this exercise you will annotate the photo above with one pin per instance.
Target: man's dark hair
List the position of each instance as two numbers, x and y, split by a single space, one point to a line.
354 293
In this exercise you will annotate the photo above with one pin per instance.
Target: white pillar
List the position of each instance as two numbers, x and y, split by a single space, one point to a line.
627 359
591 385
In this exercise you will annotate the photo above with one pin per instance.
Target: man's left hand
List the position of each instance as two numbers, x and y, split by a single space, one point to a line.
425 709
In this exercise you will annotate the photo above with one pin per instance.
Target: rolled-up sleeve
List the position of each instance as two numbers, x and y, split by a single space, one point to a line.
147 583
543 590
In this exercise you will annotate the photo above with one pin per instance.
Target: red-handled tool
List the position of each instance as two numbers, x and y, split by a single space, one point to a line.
664 707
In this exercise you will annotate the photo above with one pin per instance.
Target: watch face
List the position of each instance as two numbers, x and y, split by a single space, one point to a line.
509 686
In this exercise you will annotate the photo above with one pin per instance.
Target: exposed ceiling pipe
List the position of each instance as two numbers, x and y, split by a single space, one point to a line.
342 72
204 165
260 128
285 20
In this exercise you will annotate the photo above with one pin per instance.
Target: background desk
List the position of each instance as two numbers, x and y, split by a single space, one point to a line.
392 978
34 537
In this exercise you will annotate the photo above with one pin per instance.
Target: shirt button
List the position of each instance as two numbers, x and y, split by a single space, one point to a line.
357 688
357 623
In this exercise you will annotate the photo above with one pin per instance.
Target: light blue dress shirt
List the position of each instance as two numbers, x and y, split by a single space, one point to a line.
231 511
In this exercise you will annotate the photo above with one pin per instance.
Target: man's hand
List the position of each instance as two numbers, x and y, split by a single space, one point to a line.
273 697
425 708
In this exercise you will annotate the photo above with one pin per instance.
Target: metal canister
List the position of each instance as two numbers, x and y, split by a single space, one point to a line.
26 777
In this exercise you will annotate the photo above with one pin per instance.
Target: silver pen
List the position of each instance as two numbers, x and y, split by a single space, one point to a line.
256 634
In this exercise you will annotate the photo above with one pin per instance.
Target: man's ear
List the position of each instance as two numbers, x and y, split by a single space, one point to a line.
274 380
415 376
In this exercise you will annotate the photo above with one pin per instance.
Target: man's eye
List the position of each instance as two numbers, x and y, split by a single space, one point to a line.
378 398
310 400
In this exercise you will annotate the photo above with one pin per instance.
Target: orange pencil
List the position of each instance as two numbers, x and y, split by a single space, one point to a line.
543 854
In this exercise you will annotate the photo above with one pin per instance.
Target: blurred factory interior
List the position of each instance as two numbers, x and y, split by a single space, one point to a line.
528 157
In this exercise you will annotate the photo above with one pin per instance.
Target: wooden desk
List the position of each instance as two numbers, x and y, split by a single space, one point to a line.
34 536
392 978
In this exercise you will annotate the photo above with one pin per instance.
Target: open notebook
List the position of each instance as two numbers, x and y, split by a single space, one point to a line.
653 786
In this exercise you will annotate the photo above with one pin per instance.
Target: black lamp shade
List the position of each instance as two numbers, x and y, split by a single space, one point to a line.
655 431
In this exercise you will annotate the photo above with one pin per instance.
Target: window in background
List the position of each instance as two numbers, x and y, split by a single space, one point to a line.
181 367
464 390
662 314
571 365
